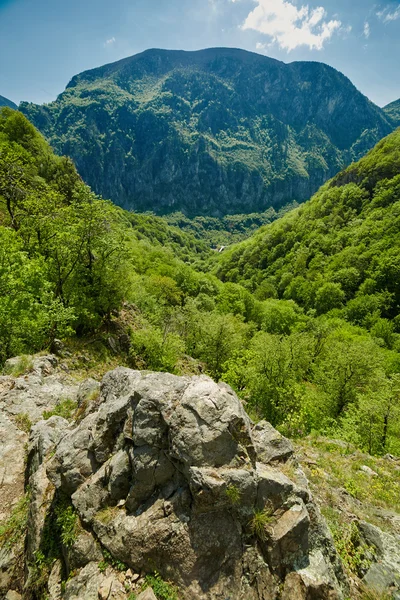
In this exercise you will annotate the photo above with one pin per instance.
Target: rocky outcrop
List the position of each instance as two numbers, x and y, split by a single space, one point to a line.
167 474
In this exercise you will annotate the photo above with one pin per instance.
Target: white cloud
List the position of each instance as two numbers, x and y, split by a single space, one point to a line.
387 14
367 30
109 42
291 26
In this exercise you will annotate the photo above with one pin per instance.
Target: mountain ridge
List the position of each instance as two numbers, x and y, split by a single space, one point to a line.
210 132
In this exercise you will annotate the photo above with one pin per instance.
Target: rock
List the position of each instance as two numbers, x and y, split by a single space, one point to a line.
289 543
166 473
270 444
85 585
88 391
82 551
12 595
12 464
39 390
41 497
384 572
44 436
54 584
368 471
148 594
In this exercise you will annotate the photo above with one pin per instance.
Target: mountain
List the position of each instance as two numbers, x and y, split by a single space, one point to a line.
210 132
6 102
339 251
393 111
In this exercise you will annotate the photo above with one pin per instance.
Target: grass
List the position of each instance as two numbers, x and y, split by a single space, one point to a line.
66 409
23 422
233 494
346 494
106 515
162 589
338 467
13 529
259 523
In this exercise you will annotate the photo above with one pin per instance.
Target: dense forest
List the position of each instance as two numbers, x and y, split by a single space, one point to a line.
301 319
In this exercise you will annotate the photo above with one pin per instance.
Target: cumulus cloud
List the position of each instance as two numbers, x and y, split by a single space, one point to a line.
367 30
109 42
291 26
388 14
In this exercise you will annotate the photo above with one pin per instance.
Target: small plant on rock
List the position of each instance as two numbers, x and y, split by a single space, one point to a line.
233 494
259 523
65 409
23 422
162 589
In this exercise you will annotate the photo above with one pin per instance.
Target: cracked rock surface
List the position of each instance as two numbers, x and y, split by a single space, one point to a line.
169 474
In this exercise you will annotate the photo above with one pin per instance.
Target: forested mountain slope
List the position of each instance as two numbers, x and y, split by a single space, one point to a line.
7 102
393 111
211 132
339 251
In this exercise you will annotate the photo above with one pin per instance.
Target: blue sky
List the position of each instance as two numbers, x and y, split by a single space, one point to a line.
45 42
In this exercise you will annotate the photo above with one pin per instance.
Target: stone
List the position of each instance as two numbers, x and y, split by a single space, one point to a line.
148 594
368 471
165 473
289 544
270 444
88 391
54 583
44 436
384 571
37 391
12 595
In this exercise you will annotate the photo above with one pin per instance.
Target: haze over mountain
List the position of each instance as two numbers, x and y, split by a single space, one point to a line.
210 132
7 102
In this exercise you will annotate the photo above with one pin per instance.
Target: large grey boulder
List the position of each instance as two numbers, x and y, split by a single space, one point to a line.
169 474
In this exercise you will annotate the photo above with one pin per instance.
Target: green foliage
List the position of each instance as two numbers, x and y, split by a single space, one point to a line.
259 523
162 589
355 555
67 521
66 409
233 494
13 529
109 560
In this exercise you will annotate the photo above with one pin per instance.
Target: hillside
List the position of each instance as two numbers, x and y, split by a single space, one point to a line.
6 102
393 111
211 132
104 289
339 251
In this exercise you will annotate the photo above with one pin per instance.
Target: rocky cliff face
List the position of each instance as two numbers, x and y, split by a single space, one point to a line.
211 132
157 473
